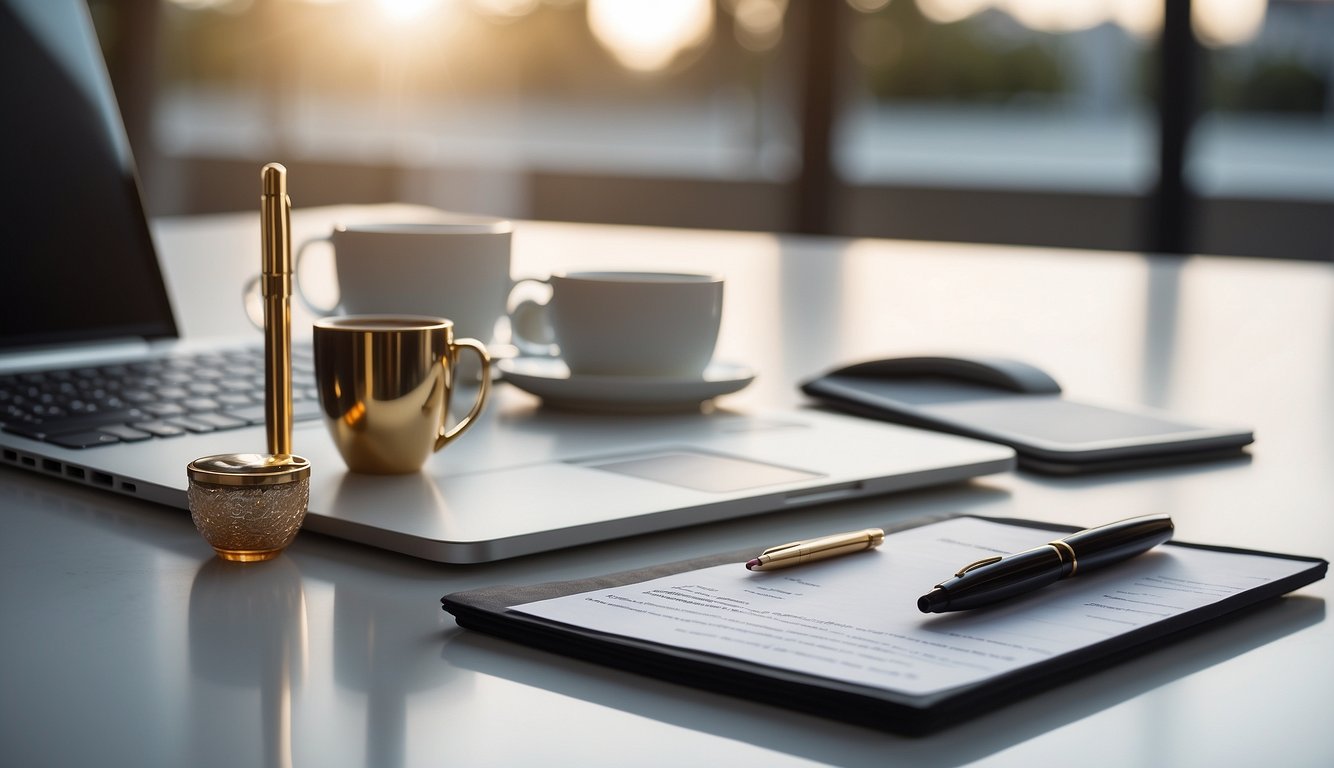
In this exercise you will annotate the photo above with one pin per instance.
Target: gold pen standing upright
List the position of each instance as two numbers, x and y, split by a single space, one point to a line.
249 506
276 287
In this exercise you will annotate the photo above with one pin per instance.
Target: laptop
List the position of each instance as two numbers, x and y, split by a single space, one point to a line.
96 387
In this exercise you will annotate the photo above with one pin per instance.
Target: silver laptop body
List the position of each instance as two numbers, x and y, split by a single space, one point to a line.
83 290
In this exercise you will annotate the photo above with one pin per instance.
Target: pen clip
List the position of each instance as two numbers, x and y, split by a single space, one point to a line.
781 547
979 564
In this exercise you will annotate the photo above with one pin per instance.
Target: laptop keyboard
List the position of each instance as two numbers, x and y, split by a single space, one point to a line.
108 404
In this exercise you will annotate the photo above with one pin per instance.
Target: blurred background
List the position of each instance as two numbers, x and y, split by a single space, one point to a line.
1159 125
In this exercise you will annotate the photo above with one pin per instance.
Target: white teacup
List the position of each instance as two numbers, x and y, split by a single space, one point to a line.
457 268
625 323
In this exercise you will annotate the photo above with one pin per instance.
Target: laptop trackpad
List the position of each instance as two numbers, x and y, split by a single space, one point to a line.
700 471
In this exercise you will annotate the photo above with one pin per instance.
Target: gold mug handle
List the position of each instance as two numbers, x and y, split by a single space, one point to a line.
446 435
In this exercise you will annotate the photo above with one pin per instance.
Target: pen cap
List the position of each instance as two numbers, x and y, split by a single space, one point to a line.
275 214
248 506
274 178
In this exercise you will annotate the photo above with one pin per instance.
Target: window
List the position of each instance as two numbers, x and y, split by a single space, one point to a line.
1026 121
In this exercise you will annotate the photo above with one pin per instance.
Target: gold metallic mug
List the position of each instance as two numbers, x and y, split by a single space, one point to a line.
385 383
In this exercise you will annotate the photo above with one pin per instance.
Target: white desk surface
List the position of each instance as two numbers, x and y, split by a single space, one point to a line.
125 642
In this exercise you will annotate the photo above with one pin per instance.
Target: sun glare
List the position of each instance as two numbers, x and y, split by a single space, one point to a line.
1227 22
648 35
759 23
505 9
403 11
1138 17
948 11
1058 15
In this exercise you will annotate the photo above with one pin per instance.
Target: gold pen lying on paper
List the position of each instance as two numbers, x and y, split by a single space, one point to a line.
810 550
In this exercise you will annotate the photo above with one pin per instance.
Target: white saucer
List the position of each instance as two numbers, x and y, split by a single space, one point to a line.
551 380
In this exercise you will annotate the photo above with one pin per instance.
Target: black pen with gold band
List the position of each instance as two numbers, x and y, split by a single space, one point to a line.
997 578
810 550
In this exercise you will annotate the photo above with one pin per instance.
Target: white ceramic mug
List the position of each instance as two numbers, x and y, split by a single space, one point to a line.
625 323
457 268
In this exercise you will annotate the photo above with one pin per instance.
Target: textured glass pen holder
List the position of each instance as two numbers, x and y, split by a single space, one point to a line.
249 506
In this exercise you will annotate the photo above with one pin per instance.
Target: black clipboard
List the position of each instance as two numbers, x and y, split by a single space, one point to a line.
487 610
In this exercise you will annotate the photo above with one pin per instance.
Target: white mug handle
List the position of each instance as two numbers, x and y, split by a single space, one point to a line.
254 302
316 309
530 323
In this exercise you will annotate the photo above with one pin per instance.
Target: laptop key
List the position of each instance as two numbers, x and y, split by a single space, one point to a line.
84 439
200 404
127 433
191 425
41 429
159 428
252 414
164 409
138 396
218 420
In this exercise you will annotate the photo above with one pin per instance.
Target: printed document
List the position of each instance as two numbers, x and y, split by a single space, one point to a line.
855 617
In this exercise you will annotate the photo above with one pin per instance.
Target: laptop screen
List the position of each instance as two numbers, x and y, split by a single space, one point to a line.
78 261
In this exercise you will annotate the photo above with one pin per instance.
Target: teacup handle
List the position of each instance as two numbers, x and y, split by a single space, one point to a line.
446 435
315 309
253 303
530 326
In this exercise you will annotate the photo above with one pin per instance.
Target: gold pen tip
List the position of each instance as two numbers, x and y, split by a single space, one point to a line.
274 178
